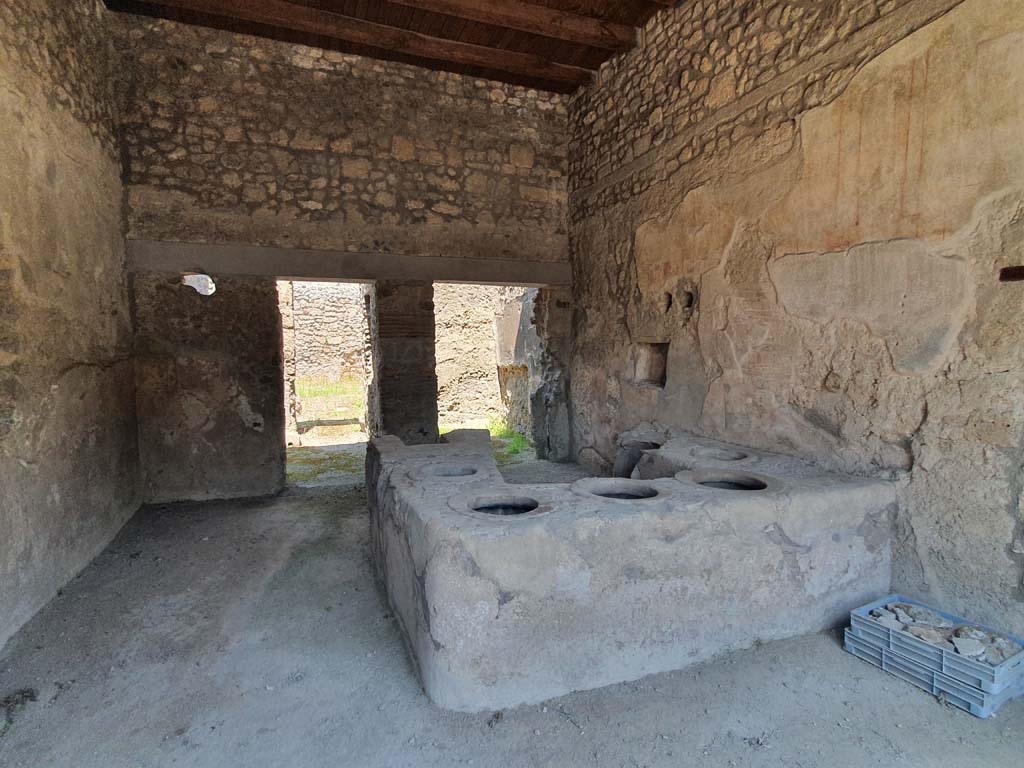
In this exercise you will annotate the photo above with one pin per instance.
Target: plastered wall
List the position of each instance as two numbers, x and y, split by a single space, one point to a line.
68 452
210 388
810 203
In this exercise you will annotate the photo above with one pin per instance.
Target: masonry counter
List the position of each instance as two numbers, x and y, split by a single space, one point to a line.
513 594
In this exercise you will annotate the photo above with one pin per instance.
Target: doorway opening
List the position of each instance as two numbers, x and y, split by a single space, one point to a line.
487 358
325 339
487 351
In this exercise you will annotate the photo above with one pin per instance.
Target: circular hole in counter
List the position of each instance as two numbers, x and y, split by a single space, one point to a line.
454 471
715 453
504 506
735 485
628 494
616 489
732 481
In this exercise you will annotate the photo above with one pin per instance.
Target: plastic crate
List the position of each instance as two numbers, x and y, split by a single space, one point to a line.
1008 675
965 697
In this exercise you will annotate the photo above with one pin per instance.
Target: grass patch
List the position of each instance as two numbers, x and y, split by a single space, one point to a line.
322 399
346 388
502 430
516 444
305 464
506 442
508 451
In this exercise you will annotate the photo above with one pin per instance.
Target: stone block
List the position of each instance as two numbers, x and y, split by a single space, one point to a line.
513 594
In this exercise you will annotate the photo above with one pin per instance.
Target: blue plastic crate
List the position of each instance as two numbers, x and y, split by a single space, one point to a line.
946 689
978 674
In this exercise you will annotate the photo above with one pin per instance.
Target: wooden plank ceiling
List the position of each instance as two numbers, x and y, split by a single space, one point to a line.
553 45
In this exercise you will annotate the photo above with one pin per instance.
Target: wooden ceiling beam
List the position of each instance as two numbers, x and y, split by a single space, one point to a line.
535 19
300 18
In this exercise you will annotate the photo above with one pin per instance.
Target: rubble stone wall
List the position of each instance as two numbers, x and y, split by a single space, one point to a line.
292 407
68 449
799 211
330 320
230 138
467 369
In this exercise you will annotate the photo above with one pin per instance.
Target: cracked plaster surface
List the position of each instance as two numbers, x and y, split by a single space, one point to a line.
843 260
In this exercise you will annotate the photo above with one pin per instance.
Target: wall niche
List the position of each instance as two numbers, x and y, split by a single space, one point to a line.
650 364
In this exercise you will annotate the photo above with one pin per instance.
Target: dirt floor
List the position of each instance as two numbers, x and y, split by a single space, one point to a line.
253 633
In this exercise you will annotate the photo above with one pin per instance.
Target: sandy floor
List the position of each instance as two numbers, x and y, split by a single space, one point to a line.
252 633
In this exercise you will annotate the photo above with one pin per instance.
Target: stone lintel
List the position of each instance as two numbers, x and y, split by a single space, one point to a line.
240 259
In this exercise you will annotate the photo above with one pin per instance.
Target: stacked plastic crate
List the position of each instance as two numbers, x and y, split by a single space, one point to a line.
973 684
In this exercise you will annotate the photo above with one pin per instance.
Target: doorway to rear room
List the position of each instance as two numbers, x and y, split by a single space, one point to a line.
325 339
487 354
487 358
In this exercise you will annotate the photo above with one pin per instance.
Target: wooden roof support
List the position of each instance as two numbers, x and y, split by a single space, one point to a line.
301 18
535 19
